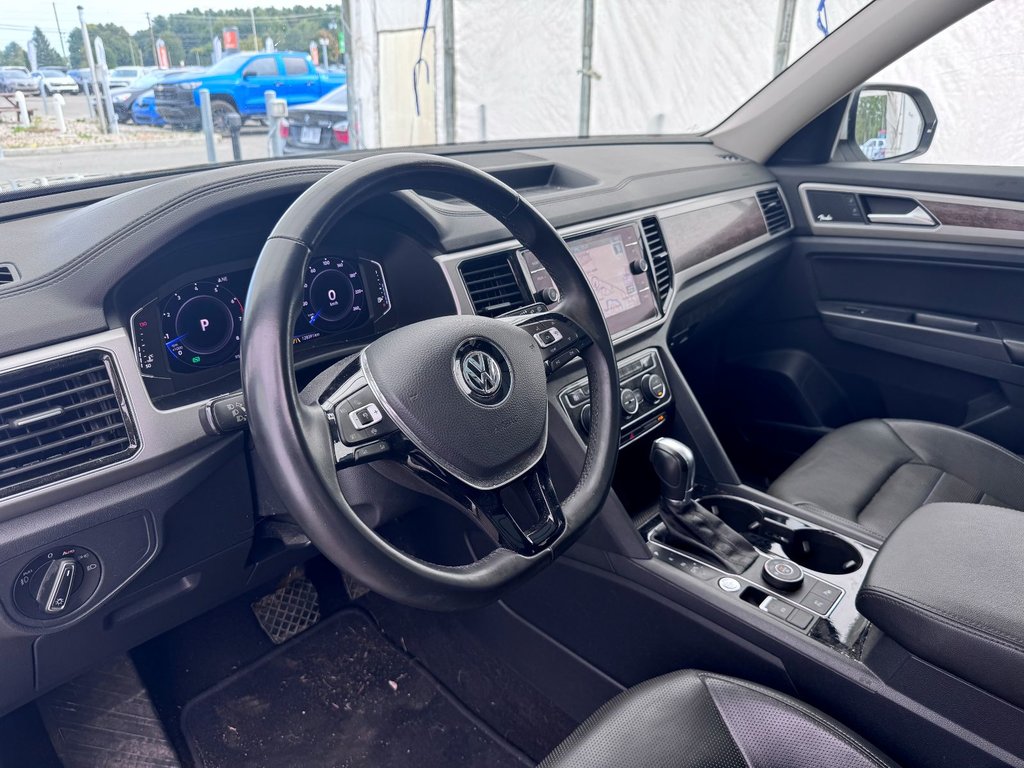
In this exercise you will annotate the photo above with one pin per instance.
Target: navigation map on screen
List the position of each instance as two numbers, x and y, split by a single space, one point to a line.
626 299
606 265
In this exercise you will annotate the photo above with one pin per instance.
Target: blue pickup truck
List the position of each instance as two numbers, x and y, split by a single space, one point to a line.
237 83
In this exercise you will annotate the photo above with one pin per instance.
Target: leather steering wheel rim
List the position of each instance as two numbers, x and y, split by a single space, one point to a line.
293 440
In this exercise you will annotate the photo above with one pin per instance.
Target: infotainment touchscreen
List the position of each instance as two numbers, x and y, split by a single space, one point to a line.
610 260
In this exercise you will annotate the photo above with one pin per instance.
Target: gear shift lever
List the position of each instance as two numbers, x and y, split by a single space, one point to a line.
688 523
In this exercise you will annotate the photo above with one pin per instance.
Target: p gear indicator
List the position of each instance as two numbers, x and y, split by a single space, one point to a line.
205 319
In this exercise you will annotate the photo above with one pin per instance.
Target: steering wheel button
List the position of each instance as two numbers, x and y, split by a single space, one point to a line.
371 451
366 416
547 337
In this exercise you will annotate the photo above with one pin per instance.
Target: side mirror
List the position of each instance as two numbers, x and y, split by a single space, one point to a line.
888 122
249 73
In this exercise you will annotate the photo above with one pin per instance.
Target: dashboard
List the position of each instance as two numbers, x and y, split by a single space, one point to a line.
133 300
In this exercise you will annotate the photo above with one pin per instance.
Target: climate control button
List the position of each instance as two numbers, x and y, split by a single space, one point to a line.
630 402
653 387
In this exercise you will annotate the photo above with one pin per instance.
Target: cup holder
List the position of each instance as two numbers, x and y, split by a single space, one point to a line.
739 514
822 551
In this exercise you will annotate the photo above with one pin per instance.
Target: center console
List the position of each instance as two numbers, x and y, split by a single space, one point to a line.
644 397
803 576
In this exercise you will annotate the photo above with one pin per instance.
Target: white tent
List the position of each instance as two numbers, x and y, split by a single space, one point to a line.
658 66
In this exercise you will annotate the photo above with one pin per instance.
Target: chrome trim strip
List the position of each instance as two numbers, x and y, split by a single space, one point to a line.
449 262
941 232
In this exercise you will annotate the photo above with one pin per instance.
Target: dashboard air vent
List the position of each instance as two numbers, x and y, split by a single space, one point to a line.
776 218
7 274
664 276
731 158
492 284
59 419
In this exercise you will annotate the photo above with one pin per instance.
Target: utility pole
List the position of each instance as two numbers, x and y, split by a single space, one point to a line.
586 67
448 42
354 125
60 34
87 43
152 39
255 37
783 34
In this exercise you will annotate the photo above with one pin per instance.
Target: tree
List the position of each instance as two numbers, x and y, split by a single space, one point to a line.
116 42
13 56
46 54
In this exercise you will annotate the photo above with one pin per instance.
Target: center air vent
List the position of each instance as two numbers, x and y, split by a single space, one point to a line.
664 276
492 284
776 217
7 274
59 419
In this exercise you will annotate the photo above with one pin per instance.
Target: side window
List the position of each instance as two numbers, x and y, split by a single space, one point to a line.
264 67
295 65
972 73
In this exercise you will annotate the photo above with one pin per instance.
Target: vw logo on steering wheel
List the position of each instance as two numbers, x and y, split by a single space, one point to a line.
482 372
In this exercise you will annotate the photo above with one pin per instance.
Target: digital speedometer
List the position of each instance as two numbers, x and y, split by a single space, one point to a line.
334 297
202 324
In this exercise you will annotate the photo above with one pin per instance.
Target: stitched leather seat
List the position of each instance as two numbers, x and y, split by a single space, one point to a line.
699 720
877 472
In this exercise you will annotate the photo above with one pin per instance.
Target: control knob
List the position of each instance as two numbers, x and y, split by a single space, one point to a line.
630 401
653 387
585 419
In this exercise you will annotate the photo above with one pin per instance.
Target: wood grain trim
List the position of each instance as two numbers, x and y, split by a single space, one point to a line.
975 216
696 236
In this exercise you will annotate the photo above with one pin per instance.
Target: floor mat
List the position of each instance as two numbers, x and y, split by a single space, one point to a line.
105 718
338 695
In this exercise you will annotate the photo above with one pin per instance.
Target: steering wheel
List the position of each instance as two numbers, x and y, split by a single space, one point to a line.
460 400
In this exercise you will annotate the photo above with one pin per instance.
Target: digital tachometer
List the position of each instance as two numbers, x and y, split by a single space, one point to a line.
202 324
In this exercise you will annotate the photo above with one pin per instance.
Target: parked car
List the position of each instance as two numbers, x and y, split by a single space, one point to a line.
122 77
144 110
124 98
874 149
318 127
17 79
80 76
237 83
55 81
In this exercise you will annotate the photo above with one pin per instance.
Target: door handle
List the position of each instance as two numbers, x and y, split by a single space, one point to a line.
918 217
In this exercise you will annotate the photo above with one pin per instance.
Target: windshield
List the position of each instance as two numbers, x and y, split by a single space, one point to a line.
339 97
533 69
227 65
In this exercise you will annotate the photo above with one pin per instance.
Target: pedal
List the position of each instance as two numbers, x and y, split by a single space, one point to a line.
293 608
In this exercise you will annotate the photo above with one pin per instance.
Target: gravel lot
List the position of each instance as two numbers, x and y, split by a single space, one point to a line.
155 149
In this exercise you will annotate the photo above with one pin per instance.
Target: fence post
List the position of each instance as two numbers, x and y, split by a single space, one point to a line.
19 97
58 110
277 110
206 115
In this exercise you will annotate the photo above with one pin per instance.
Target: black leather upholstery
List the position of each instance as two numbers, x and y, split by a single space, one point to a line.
699 720
946 586
877 472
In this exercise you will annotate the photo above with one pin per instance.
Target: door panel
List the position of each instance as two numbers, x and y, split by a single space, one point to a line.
872 317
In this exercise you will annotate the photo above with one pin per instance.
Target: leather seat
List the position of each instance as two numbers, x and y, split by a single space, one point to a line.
699 720
876 472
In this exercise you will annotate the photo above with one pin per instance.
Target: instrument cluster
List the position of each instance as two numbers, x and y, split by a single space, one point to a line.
190 334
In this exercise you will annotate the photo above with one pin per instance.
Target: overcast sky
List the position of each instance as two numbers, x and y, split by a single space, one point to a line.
17 18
